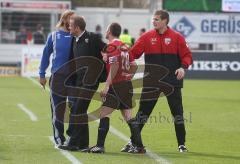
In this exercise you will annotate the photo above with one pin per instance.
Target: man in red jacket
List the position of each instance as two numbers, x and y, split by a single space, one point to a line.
167 48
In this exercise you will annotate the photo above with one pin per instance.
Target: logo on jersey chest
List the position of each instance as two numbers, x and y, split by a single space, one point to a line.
167 41
153 41
58 36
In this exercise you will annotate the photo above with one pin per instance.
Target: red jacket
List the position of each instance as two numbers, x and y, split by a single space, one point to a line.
169 50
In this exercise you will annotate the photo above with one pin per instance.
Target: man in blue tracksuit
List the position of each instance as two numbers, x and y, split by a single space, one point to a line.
59 45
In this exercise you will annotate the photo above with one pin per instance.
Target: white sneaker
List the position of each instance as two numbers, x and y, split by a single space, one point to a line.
137 150
127 147
96 149
182 148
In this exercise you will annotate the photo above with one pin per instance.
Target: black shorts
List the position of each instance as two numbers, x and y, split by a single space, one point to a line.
119 96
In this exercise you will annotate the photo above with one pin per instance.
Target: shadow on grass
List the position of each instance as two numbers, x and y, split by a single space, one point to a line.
115 154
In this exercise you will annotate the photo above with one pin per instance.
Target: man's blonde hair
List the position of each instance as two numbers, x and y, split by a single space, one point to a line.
64 17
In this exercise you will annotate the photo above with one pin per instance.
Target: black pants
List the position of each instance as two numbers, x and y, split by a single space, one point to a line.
79 135
176 107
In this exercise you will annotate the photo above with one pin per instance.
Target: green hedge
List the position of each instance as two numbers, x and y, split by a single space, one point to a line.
192 5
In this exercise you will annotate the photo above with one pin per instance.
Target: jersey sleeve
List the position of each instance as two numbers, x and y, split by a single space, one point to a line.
131 58
184 52
113 59
47 51
138 48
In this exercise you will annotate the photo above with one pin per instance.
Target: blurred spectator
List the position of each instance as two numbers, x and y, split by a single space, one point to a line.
38 36
21 37
126 38
29 37
8 36
133 40
142 31
98 31
24 36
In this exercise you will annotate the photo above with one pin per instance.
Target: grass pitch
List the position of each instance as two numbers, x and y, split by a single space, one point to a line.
212 112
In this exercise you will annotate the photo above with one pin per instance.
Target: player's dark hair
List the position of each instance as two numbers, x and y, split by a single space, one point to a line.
125 31
143 30
115 29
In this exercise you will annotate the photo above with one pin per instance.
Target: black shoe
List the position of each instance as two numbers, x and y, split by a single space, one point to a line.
84 150
70 141
182 148
69 147
127 147
137 150
96 149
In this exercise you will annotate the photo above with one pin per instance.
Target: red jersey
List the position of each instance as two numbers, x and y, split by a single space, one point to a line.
120 57
168 49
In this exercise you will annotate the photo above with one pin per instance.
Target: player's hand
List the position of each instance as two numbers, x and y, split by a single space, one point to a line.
43 82
104 92
180 73
104 57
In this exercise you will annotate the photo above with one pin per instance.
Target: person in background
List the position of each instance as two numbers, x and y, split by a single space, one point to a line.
24 36
142 31
21 37
39 36
126 38
98 31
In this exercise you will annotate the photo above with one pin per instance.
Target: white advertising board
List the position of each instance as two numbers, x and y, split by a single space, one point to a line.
231 5
207 27
31 58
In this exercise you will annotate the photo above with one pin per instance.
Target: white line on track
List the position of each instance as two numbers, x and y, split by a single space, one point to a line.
114 131
32 116
66 154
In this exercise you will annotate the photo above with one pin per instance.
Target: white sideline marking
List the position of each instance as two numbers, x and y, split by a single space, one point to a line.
32 116
66 154
125 138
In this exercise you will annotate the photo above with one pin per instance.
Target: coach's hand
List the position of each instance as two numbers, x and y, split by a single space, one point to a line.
180 73
104 57
43 82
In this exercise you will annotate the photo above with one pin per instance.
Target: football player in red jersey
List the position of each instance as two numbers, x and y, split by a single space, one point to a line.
167 48
117 93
